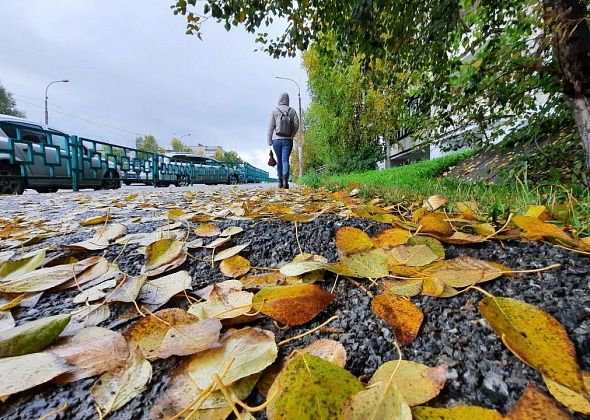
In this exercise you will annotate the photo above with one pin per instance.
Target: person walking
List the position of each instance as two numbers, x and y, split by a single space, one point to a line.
283 125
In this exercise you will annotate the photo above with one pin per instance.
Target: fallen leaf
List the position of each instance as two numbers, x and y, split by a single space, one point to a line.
408 288
224 300
116 388
416 382
484 229
250 349
432 287
534 404
455 413
32 336
298 268
272 278
383 400
537 212
207 230
127 290
292 305
350 240
163 255
6 321
11 270
218 242
231 231
460 238
464 271
329 350
24 372
172 332
94 293
230 252
88 276
435 202
535 229
91 351
411 255
110 233
402 315
94 220
436 224
159 291
536 338
46 278
309 387
432 243
89 316
235 266
372 264
197 243
577 401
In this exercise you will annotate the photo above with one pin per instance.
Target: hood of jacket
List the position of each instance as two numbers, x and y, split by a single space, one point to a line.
284 99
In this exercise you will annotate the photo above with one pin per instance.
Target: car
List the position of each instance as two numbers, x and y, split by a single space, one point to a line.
207 170
36 156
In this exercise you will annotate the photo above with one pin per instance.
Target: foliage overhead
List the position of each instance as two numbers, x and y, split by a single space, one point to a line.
8 104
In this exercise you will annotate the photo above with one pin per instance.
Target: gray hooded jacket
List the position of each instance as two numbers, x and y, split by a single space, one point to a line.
272 125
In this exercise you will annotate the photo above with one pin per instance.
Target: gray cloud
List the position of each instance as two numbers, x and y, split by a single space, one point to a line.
131 66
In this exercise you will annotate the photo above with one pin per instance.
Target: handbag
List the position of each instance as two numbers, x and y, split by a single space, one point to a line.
271 159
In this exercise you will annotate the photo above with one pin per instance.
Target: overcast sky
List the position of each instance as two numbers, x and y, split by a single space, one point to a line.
132 70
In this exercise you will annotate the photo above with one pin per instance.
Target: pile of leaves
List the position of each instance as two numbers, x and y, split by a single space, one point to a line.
224 356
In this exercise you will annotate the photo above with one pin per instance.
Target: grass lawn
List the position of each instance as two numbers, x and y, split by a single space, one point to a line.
418 181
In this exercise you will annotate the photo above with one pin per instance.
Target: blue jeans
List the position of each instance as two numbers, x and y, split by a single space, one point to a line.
282 148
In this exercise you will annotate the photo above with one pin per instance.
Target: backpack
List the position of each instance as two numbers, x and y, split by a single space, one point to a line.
284 124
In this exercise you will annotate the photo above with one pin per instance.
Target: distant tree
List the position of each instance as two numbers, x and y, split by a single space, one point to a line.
147 143
112 150
231 158
8 104
218 155
179 146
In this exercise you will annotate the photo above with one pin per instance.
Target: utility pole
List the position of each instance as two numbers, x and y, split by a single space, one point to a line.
46 98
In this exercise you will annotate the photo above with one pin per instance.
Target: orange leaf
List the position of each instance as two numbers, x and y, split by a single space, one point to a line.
390 238
235 266
292 305
535 229
534 404
436 223
402 315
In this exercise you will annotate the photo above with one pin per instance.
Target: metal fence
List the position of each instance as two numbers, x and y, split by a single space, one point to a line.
48 159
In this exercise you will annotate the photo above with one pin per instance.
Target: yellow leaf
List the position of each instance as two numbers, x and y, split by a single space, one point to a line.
536 338
350 240
577 401
408 288
417 383
537 212
235 266
207 230
390 238
455 413
484 229
411 255
383 400
436 224
464 271
535 229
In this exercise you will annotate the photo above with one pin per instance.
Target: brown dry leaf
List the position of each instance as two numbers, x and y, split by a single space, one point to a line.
411 255
435 202
577 401
91 351
272 278
207 230
218 242
235 266
417 383
298 218
350 240
88 276
89 316
534 404
116 388
224 300
230 252
292 305
460 238
127 290
433 243
390 238
330 350
536 338
159 291
535 229
24 372
172 332
163 255
436 224
402 315
464 271
94 293
467 209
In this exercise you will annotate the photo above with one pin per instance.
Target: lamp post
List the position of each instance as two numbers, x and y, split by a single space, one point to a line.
183 136
300 148
46 98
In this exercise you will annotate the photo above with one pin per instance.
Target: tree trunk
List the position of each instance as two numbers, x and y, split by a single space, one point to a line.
568 22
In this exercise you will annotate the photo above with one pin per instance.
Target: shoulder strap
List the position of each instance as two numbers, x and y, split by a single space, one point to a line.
283 113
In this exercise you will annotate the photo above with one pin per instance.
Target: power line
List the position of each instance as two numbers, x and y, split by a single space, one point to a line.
104 126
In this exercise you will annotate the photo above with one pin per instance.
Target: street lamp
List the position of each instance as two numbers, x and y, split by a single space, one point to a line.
183 136
46 98
300 148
